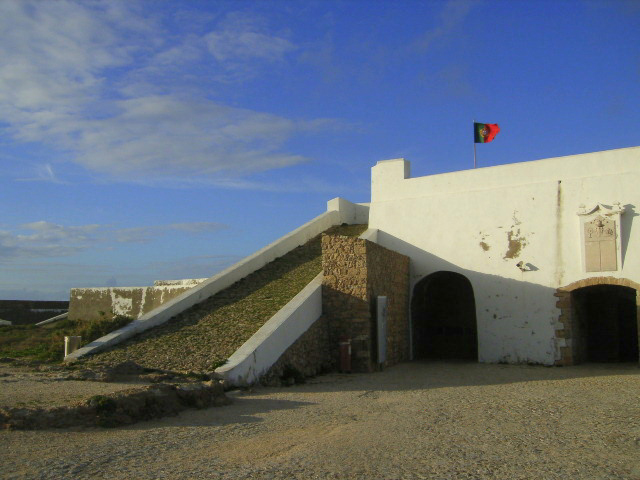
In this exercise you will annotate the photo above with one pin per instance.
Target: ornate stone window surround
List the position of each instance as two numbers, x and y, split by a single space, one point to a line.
609 214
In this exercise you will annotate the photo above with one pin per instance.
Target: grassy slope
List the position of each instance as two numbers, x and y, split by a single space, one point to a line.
203 337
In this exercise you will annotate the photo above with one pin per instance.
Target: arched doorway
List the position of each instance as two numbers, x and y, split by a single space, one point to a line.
606 323
599 321
443 315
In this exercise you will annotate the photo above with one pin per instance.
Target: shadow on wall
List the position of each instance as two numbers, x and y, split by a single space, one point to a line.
625 229
516 320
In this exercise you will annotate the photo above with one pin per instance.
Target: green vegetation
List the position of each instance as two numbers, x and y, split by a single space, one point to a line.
102 403
46 344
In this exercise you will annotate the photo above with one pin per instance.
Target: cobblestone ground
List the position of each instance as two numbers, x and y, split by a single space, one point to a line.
431 420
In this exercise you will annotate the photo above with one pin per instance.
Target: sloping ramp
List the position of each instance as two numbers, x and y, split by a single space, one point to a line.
204 336
339 212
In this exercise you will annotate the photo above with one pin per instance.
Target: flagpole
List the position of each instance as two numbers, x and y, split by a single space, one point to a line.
474 144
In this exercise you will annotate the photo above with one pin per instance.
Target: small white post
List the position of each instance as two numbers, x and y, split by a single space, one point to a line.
71 344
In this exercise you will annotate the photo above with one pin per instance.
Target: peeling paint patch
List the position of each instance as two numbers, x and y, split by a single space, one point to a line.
484 245
515 244
121 306
515 218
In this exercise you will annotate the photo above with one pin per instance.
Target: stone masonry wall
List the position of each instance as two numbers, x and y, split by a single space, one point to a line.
356 271
307 357
388 274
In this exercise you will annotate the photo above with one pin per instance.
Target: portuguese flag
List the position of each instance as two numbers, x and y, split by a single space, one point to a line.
484 132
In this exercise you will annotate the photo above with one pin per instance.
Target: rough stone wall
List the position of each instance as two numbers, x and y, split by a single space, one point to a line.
356 271
345 298
388 274
307 357
88 303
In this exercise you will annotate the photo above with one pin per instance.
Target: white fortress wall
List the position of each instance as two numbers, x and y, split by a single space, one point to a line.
483 222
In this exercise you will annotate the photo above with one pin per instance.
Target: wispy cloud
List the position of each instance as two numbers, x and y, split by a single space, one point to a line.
46 239
451 17
148 233
76 76
242 44
43 173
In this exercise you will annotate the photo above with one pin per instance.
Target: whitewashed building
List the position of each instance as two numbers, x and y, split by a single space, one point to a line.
530 262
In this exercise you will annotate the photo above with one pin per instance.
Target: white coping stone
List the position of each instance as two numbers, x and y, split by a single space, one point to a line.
339 211
53 319
186 282
254 358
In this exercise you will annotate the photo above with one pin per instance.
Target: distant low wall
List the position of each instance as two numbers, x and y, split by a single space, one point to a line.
26 312
95 303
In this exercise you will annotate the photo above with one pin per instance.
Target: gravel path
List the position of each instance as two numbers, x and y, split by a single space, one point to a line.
436 420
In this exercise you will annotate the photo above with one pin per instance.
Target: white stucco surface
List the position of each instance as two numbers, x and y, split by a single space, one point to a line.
481 223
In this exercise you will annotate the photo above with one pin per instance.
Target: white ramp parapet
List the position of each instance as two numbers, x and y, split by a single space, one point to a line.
254 358
53 319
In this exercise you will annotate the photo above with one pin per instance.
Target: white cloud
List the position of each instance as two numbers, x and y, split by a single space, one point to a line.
53 53
241 43
232 44
76 76
160 136
45 240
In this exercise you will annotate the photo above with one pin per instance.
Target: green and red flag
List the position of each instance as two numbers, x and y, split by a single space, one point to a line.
484 132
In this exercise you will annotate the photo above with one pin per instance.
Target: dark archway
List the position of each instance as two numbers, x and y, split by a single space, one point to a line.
443 315
606 324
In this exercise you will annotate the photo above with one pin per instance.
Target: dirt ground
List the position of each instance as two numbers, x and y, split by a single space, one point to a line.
431 420
24 387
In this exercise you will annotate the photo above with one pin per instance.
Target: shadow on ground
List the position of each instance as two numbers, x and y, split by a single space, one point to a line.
250 405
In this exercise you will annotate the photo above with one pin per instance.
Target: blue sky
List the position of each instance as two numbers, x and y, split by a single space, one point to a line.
163 140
